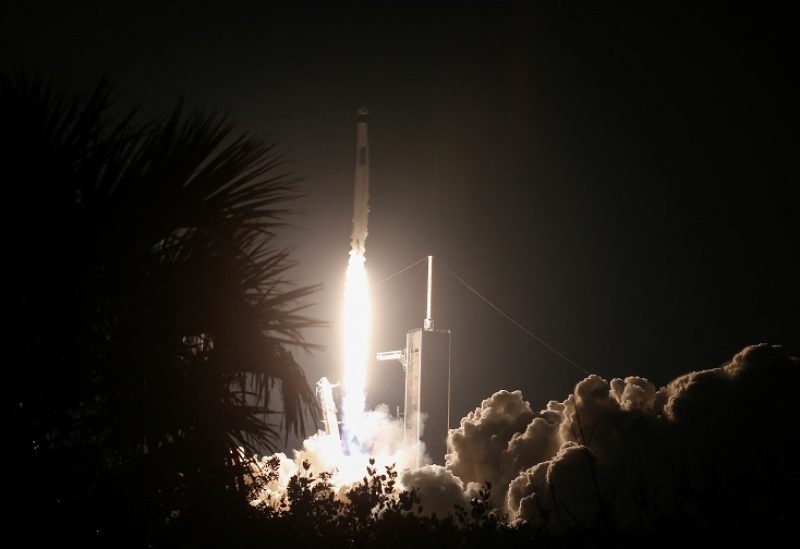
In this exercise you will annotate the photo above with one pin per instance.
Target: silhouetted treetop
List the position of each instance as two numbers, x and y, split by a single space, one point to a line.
148 305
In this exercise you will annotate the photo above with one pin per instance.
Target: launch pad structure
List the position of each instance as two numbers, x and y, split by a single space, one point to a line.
426 363
426 356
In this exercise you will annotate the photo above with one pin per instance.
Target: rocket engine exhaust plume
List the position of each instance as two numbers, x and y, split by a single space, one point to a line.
356 298
356 334
367 437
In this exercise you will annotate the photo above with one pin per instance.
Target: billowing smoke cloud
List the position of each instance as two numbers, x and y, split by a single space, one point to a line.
383 443
478 449
712 441
439 490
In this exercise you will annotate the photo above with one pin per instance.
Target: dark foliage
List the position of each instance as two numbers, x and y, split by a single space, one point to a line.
145 306
372 513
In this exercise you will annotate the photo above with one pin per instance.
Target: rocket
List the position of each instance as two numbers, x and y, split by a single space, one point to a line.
361 191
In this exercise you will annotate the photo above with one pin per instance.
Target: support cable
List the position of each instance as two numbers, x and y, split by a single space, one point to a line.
401 271
514 322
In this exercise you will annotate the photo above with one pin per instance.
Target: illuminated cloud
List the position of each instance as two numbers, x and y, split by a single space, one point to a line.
439 490
708 442
623 452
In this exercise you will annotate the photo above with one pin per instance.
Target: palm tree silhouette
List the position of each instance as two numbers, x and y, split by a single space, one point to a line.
147 301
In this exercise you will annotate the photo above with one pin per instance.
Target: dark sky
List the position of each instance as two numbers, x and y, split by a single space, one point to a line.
618 179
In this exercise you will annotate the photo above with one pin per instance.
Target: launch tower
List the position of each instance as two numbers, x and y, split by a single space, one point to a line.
426 362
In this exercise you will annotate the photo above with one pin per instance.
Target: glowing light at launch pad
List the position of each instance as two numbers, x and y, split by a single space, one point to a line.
355 323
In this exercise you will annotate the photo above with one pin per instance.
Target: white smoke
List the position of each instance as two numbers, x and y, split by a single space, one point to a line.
626 451
383 444
478 448
439 490
358 238
621 452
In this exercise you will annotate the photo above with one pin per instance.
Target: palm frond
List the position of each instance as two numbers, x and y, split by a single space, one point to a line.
176 318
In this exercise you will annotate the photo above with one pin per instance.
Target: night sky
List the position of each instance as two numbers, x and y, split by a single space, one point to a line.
618 179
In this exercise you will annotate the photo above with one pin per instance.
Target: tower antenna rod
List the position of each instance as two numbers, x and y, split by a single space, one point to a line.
428 324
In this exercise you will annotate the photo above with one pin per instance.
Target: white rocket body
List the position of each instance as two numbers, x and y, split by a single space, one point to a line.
361 192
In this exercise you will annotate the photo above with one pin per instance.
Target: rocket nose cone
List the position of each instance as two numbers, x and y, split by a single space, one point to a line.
362 112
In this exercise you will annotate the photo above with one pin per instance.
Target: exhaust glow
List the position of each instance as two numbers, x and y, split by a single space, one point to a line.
356 343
